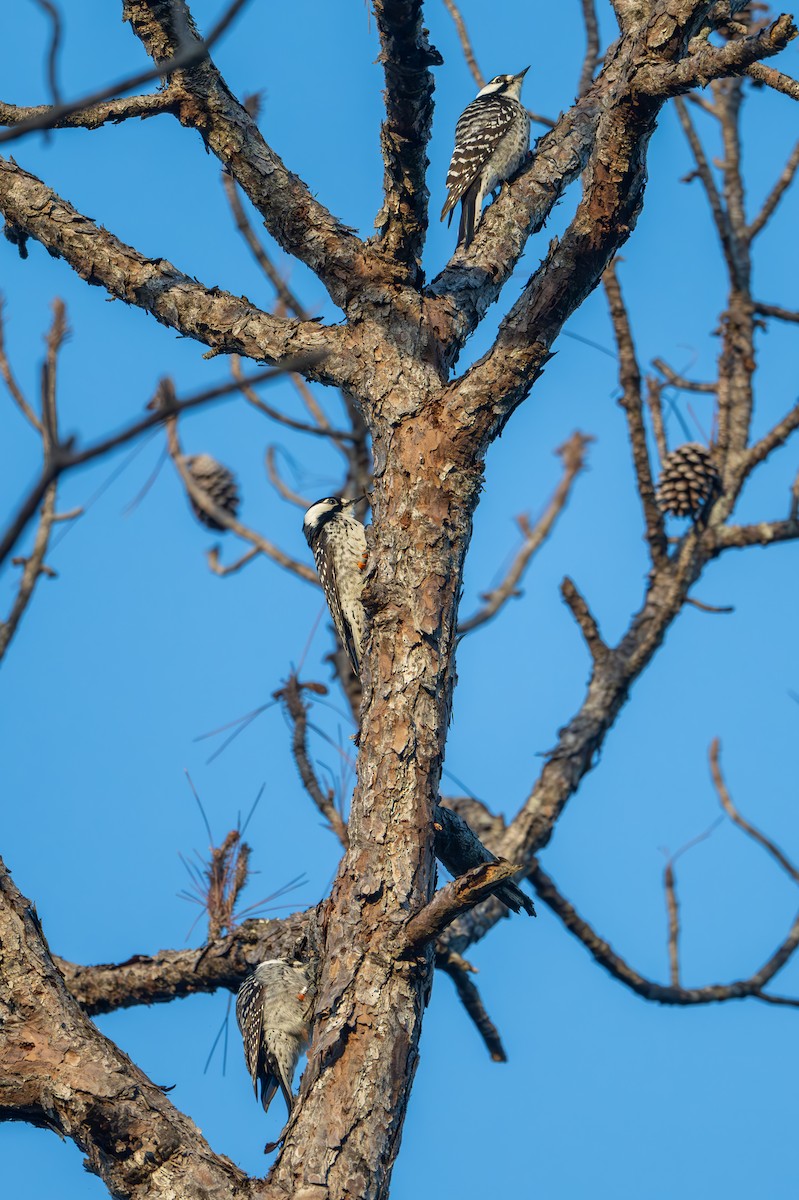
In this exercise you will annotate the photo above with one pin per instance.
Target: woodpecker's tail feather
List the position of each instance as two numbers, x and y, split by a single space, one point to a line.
515 899
469 218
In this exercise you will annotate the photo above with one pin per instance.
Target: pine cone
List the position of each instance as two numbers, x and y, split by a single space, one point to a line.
217 482
689 481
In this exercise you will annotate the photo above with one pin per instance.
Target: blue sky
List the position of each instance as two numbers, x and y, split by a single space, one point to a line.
136 648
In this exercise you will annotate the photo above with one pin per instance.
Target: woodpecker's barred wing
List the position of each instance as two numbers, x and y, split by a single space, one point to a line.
268 1011
481 127
250 1016
331 585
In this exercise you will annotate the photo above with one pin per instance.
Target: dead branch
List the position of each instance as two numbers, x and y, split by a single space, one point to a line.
459 848
748 828
59 1072
764 533
573 454
632 403
654 402
212 557
776 194
34 565
226 323
407 56
591 59
164 403
64 457
290 695
471 1000
583 616
67 115
774 79
679 381
293 217
781 314
616 966
716 62
452 900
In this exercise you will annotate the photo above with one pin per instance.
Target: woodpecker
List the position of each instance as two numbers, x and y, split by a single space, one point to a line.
492 138
338 542
273 1009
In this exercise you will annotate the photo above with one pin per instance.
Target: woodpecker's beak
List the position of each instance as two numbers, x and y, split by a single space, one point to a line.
355 500
522 74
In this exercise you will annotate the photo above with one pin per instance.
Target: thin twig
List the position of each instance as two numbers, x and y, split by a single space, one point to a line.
709 608
471 61
632 402
64 458
255 400
775 195
201 498
279 483
585 619
591 49
291 697
470 998
190 56
616 966
55 44
654 402
15 391
214 564
773 310
679 381
572 453
259 252
732 812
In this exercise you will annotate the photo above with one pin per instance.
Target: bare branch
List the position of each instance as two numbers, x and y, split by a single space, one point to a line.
452 900
782 314
42 116
203 501
214 564
674 922
773 439
715 62
774 79
573 454
290 696
585 619
61 115
591 59
764 533
15 391
255 400
616 966
775 195
632 403
679 381
63 458
709 608
732 812
226 323
654 402
297 221
284 293
703 171
80 1084
471 1000
170 974
278 482
56 34
406 56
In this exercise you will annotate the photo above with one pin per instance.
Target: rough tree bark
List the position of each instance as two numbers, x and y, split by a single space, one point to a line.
393 357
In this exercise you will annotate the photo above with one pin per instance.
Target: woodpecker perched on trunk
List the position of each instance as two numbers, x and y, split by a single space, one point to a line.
273 1009
492 138
338 542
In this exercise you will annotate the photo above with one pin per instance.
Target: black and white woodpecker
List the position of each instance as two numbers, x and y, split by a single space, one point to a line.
338 542
492 138
273 1009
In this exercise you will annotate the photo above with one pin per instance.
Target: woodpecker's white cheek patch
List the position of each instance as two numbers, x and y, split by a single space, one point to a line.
315 513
